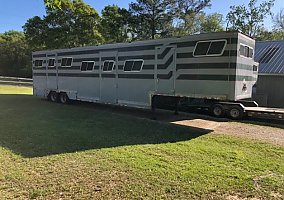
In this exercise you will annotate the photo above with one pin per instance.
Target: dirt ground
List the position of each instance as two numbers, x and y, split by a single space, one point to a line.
266 132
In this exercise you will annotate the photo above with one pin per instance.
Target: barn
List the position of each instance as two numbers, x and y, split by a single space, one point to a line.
270 84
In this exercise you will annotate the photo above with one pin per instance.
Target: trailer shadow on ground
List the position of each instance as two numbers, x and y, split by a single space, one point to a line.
32 127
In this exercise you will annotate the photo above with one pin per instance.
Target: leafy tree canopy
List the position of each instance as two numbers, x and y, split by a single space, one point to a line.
114 24
74 24
249 19
15 54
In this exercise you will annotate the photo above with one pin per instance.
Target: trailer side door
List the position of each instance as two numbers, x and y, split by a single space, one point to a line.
165 70
108 77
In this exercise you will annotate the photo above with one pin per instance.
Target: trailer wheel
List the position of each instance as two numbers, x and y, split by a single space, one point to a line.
236 112
217 110
53 96
63 97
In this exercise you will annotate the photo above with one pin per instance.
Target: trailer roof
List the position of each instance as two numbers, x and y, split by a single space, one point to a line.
270 55
143 42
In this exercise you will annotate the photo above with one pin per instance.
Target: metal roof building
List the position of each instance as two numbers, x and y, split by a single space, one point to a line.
270 55
270 84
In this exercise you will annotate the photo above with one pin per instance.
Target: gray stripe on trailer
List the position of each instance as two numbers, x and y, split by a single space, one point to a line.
136 76
144 57
167 64
205 66
39 68
108 58
70 68
108 75
165 76
122 49
78 74
210 77
85 59
203 77
165 52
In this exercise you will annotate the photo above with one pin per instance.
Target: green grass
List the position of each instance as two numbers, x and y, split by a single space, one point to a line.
4 89
52 151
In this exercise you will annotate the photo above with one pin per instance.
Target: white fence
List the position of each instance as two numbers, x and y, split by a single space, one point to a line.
16 81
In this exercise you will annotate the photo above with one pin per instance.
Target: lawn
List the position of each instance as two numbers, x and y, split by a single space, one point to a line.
53 151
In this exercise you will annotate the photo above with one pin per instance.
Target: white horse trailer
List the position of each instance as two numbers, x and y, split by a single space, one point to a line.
214 70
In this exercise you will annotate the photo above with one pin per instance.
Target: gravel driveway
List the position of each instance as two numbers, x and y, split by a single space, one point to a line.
265 132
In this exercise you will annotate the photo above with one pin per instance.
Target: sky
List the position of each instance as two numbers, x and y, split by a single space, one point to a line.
15 13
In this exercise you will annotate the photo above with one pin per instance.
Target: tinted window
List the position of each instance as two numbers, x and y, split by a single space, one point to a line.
105 66
250 53
216 47
66 62
84 66
128 65
201 48
87 66
110 66
63 62
137 65
69 62
38 63
246 51
90 66
51 62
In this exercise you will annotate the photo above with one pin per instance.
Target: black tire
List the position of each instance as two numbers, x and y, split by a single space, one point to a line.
53 96
217 110
236 112
63 98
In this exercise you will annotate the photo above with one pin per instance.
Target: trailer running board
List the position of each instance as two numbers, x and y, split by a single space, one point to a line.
266 113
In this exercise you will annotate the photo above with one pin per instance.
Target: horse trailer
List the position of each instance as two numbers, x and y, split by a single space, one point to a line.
211 70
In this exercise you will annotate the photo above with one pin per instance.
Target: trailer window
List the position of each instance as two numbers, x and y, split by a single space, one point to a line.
51 62
209 48
128 65
66 62
246 51
216 48
38 63
108 65
133 65
87 66
201 48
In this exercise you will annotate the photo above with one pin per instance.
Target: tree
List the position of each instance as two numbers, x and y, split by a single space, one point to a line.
249 19
36 31
211 23
53 4
265 35
150 18
186 14
278 20
74 24
15 55
114 24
